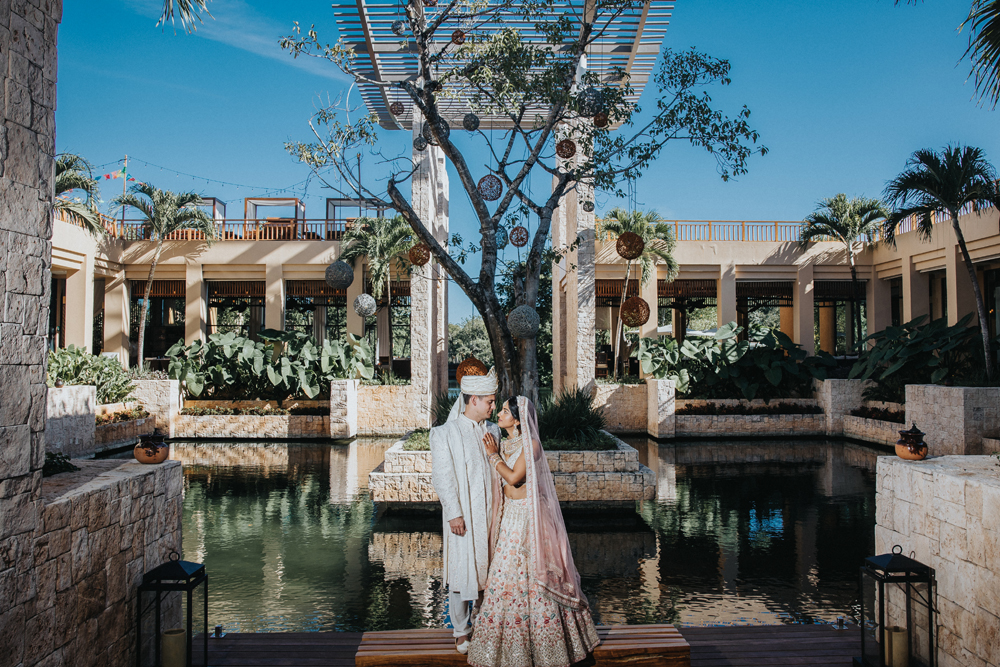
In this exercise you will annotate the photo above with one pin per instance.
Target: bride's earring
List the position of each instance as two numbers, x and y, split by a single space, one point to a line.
517 432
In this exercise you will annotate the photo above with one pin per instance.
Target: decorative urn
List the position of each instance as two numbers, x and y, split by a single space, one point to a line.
911 445
151 449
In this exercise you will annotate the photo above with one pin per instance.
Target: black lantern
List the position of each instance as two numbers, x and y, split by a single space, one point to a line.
166 598
897 612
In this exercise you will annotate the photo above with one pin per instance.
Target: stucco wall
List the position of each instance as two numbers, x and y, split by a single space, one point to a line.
69 416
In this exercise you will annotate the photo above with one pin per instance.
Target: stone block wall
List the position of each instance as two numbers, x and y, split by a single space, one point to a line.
946 512
955 419
871 430
162 400
392 410
624 405
120 434
69 425
252 426
838 398
344 408
660 407
749 425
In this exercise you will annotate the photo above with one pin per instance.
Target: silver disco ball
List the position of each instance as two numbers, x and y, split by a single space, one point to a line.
398 28
339 275
588 206
523 322
365 305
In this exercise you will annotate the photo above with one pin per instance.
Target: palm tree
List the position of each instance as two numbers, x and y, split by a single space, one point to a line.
852 222
74 172
951 182
383 241
165 212
984 48
186 10
659 239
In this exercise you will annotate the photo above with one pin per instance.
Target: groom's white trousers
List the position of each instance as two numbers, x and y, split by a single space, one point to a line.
461 614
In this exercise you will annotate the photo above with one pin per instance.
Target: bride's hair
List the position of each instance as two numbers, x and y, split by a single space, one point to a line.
512 406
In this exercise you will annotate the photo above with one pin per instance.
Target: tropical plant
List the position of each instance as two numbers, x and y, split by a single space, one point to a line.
73 173
659 241
958 179
984 48
74 366
384 242
56 463
571 416
535 84
469 339
188 11
854 222
918 353
165 213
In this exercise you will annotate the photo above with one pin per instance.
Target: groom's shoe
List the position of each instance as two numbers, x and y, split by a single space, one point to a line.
462 645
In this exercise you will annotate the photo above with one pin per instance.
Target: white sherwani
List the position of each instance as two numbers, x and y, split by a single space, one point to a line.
462 478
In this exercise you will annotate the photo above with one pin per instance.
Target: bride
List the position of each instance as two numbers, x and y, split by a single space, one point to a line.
533 610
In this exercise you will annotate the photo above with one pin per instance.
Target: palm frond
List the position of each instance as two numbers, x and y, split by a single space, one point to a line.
984 49
82 214
188 11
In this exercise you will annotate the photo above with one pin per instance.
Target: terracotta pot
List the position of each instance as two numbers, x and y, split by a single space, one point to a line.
903 452
151 449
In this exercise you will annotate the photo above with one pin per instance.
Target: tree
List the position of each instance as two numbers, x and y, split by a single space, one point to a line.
164 213
469 339
383 241
659 239
75 173
509 286
957 180
854 222
539 90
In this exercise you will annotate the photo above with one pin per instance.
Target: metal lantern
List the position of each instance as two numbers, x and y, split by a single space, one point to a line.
470 122
420 143
365 305
590 101
523 322
339 275
397 108
600 119
630 245
443 131
566 149
519 237
398 28
471 366
897 612
635 311
419 254
458 38
490 187
588 206
165 615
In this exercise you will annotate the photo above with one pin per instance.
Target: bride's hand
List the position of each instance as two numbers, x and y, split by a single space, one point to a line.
490 444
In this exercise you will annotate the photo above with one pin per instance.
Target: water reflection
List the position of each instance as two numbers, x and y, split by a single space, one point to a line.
740 533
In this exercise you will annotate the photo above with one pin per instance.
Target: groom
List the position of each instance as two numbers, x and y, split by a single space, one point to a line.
462 478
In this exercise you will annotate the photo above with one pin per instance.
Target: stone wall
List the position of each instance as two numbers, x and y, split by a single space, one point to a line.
102 528
69 415
252 426
749 425
624 405
871 430
162 399
838 398
120 434
955 419
946 512
392 410
344 408
660 406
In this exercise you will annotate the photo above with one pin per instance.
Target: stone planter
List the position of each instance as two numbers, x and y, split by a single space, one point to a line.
120 434
749 425
837 398
344 408
252 426
871 430
955 419
392 410
162 400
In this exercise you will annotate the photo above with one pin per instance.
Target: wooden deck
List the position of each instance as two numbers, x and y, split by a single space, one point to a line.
780 645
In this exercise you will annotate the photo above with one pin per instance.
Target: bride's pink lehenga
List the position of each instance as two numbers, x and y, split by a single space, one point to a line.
534 612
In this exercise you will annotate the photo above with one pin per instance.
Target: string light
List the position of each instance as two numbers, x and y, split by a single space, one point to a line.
294 189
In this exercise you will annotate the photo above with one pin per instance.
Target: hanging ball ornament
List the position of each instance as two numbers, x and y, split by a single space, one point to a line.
566 149
502 238
600 119
397 109
630 245
523 322
490 187
470 122
419 254
398 28
420 143
458 38
430 3
519 237
339 275
471 366
588 206
365 305
590 101
443 132
635 311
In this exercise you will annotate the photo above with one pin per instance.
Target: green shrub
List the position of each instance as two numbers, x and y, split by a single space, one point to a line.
56 463
260 411
442 407
571 416
881 414
740 409
419 441
75 366
122 416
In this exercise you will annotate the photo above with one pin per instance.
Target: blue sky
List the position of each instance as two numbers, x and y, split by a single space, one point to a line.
841 93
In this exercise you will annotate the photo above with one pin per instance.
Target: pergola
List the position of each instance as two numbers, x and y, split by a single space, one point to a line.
632 43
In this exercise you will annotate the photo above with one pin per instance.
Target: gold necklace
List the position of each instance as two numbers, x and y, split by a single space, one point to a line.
510 446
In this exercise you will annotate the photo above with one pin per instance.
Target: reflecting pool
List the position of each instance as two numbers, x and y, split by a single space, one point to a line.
740 533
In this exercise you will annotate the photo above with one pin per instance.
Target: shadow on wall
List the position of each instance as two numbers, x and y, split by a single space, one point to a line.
69 420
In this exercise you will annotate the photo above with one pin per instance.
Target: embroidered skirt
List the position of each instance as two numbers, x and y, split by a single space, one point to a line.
517 626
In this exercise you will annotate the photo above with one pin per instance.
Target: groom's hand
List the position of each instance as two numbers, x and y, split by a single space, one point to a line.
457 526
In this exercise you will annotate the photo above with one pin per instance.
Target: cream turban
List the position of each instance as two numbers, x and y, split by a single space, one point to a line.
480 385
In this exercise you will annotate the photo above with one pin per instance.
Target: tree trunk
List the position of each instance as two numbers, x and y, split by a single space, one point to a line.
618 326
856 305
145 304
980 304
388 305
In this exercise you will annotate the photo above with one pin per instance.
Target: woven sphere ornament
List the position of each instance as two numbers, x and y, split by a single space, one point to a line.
443 131
397 109
419 254
566 148
630 245
471 366
635 311
600 119
502 238
420 143
588 206
430 3
590 101
365 305
458 38
523 322
519 236
339 275
490 187
470 122
398 28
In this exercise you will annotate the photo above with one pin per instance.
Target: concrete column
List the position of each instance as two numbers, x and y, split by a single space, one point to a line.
560 280
195 314
660 416
828 329
79 324
787 325
355 323
727 294
116 317
916 297
803 305
961 299
879 304
274 300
